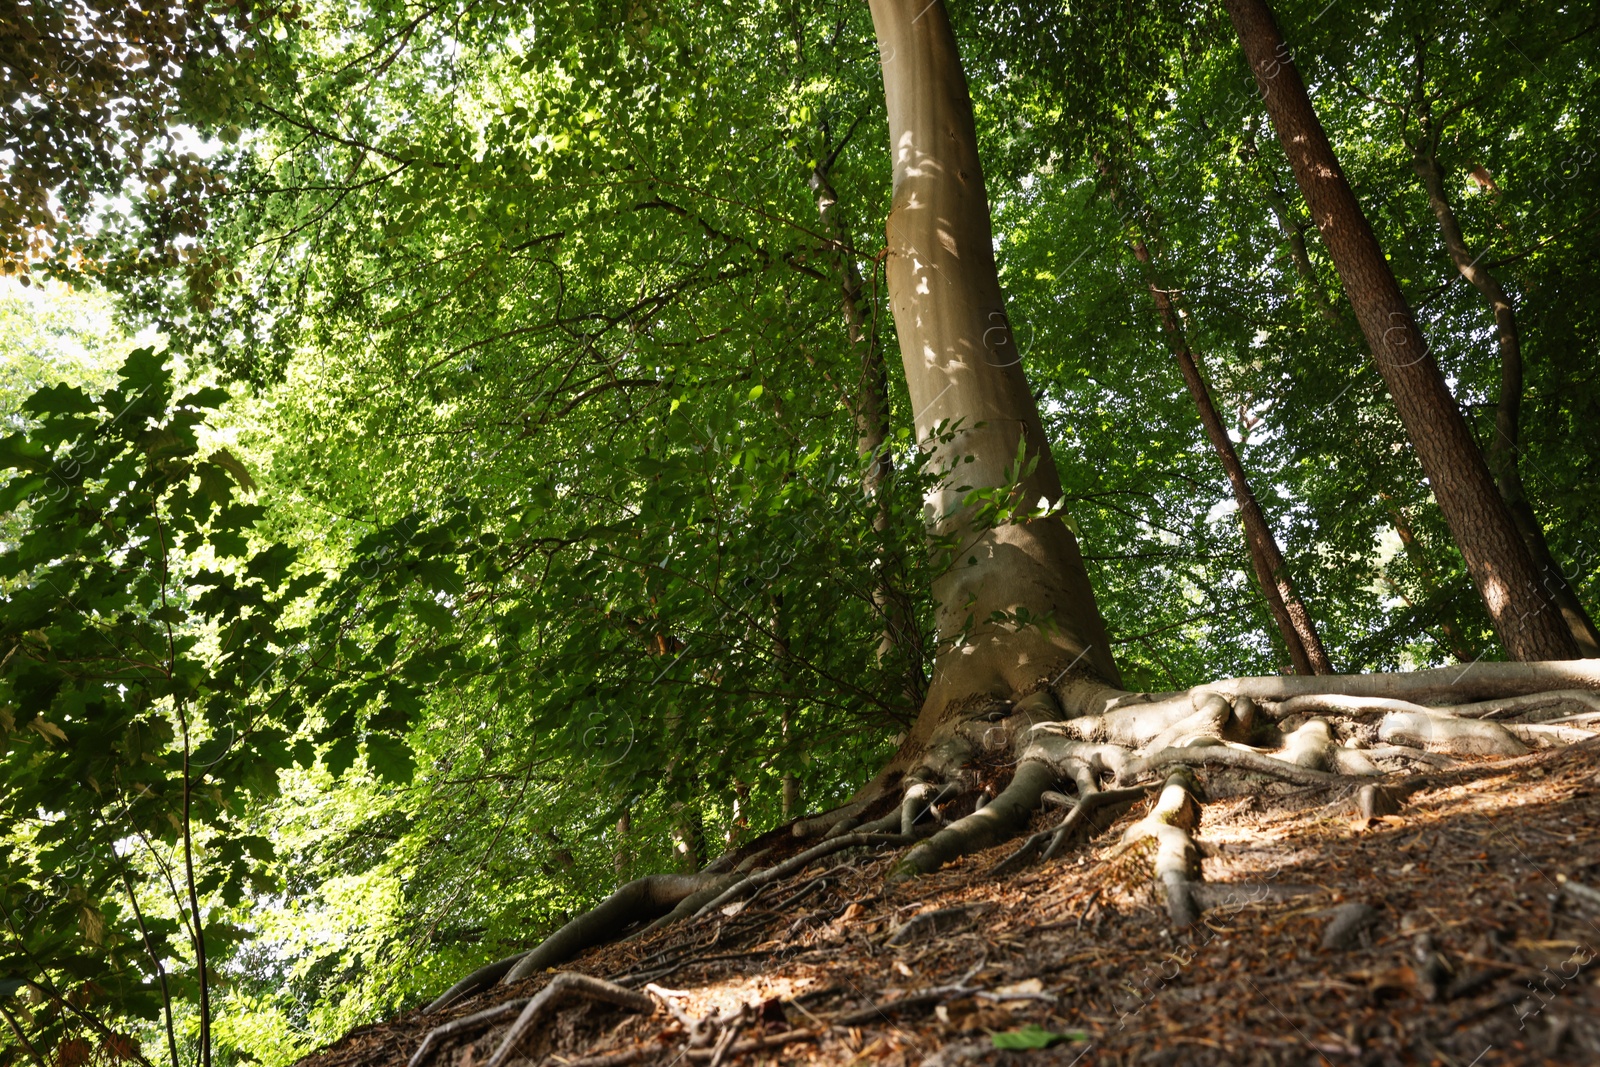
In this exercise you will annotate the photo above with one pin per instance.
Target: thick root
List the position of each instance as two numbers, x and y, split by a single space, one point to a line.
483 978
799 863
1224 756
818 825
1171 823
640 900
1447 734
1476 681
995 823
692 903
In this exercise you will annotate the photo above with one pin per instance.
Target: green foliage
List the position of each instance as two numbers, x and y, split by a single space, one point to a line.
1033 1036
534 348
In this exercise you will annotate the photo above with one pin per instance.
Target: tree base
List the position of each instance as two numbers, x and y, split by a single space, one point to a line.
1359 750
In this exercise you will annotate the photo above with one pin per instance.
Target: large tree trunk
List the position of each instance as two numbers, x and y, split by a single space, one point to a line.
1299 632
1526 620
971 404
1506 444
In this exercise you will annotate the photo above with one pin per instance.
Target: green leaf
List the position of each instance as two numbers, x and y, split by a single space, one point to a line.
144 369
1033 1036
756 391
59 400
209 397
390 758
341 755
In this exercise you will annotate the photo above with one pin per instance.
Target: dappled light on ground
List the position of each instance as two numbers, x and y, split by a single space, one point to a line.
1467 937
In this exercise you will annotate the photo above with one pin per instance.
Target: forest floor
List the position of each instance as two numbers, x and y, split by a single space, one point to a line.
1481 950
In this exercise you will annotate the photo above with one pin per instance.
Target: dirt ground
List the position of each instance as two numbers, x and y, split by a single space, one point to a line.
1480 949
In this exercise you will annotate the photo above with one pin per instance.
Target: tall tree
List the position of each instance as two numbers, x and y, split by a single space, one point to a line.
1527 620
1503 451
1295 625
1014 608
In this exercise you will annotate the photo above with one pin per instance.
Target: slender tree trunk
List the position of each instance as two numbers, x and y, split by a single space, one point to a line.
619 858
1292 234
1503 449
901 640
1299 632
1528 623
972 407
1430 581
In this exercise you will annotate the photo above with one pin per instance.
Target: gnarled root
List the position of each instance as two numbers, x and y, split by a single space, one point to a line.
1088 735
800 863
474 983
1171 823
994 823
1095 810
1436 732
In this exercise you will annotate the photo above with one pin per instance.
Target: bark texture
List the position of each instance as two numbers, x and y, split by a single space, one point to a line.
965 375
1505 446
1526 620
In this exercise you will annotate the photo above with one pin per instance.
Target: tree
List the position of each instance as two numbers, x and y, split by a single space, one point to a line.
1504 448
1016 668
1295 625
549 368
1526 618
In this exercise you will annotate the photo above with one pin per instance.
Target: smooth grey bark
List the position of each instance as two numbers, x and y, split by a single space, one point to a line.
972 408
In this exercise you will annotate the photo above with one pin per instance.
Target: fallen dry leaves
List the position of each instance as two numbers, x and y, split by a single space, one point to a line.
1478 955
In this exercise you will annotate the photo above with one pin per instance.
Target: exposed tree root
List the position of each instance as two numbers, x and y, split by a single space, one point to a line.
1224 756
1450 735
800 863
1171 824
476 982
1087 735
640 900
1093 811
466 1024
528 1012
993 824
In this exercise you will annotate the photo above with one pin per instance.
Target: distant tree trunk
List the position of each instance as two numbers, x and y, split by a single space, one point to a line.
972 406
619 858
1299 632
901 640
1292 233
1503 449
1527 622
1430 581
790 787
